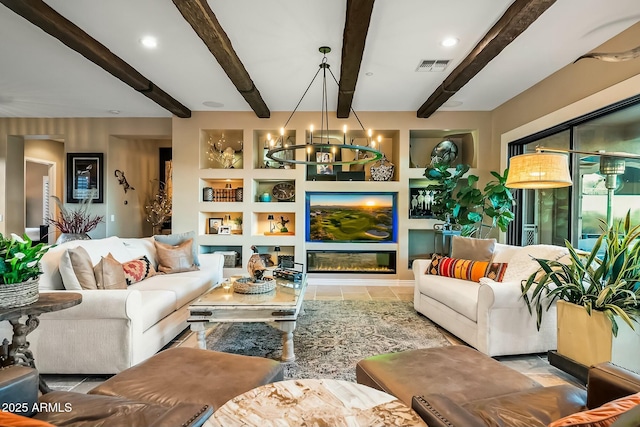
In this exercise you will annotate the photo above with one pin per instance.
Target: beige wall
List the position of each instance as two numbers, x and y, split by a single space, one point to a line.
79 135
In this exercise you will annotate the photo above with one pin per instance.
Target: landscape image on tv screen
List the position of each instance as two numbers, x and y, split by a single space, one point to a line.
351 217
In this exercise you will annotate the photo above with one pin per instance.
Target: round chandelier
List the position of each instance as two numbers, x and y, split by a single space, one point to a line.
323 152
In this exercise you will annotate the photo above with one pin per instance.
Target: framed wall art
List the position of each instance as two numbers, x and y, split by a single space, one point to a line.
85 177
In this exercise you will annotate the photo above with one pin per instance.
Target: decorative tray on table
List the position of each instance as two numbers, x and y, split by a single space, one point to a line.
245 285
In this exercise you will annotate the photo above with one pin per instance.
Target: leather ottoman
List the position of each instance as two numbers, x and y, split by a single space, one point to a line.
191 375
461 373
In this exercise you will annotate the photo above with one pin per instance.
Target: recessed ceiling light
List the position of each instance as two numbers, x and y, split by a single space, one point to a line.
114 111
368 73
449 41
213 104
149 42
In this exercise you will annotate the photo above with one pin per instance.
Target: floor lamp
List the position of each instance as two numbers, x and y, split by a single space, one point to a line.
549 168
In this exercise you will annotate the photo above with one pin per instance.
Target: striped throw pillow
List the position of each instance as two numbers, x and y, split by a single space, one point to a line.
466 269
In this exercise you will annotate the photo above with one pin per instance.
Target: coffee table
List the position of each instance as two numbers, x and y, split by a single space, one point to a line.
279 308
314 402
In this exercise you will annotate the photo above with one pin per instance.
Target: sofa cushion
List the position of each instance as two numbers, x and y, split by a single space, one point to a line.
465 269
176 239
504 253
602 416
109 274
175 258
77 269
142 246
137 270
460 372
206 377
459 295
185 287
156 305
472 249
522 264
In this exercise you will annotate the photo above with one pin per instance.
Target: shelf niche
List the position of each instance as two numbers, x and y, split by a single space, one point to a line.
385 141
261 146
422 143
221 149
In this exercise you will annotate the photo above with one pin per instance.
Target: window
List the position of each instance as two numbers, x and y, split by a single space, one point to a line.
576 213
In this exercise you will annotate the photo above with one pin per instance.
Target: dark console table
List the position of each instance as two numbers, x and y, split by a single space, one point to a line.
18 353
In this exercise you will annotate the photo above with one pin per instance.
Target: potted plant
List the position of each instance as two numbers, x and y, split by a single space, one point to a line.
593 295
74 224
459 201
19 270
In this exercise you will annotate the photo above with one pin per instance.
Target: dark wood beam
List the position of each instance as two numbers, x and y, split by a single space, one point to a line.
204 22
354 37
513 22
56 25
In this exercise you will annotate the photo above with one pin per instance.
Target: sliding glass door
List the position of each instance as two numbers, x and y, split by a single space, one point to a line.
576 213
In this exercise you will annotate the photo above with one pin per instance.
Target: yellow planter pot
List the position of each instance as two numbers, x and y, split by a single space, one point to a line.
588 339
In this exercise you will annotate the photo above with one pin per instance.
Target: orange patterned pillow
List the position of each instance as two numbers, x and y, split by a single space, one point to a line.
466 269
602 416
8 419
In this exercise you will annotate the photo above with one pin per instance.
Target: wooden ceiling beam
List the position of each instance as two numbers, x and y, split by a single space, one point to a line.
41 15
354 38
518 17
204 22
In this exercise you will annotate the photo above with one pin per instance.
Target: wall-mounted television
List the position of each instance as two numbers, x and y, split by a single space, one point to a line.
351 217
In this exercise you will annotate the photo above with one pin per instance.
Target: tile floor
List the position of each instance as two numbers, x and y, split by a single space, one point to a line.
534 366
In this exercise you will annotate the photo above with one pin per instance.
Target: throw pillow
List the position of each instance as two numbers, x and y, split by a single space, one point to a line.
76 269
601 416
466 269
522 264
176 239
8 419
109 274
137 270
175 259
472 249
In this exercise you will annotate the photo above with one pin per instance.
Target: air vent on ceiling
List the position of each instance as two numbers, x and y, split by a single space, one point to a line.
432 65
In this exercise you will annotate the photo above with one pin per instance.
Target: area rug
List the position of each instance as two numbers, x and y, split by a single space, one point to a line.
332 336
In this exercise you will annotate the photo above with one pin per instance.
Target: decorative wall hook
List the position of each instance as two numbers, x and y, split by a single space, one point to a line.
122 180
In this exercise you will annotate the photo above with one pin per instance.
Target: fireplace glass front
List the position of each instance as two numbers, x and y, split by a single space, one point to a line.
375 262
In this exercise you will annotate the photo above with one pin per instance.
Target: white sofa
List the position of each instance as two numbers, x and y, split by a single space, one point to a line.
490 316
112 330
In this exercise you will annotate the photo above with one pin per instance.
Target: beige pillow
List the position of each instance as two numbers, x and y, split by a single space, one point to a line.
109 274
175 258
472 249
82 267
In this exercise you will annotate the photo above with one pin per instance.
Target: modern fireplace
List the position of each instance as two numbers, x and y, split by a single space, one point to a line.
344 261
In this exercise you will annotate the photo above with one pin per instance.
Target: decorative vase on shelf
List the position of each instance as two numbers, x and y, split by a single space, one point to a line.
67 237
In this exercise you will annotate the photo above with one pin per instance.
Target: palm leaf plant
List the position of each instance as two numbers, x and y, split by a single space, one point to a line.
610 285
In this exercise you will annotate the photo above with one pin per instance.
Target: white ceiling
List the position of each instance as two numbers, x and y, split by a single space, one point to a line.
278 40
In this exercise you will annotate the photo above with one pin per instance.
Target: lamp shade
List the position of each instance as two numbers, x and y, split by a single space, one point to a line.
539 170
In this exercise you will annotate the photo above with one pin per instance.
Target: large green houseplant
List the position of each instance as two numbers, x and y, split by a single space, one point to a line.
610 285
458 200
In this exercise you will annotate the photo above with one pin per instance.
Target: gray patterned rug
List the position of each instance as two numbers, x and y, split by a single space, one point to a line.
332 336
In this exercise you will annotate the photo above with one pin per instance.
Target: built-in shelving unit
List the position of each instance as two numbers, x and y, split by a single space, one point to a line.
239 188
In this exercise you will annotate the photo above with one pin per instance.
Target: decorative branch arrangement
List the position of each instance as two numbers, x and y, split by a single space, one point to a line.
158 206
75 221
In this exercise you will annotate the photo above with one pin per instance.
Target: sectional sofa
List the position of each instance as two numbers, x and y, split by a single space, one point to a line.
114 329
